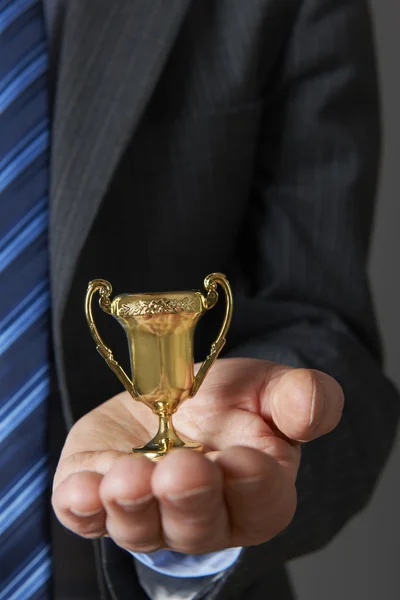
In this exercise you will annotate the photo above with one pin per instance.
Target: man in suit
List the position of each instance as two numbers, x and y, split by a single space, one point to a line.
191 137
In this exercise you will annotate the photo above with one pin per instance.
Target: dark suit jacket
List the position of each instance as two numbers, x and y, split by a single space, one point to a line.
242 137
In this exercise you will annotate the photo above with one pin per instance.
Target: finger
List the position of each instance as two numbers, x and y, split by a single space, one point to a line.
96 461
77 504
133 520
189 489
304 404
260 496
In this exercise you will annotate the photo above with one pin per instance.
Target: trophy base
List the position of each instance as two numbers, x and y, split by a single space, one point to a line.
156 450
165 440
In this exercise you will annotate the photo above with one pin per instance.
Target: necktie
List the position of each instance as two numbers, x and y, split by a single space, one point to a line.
25 563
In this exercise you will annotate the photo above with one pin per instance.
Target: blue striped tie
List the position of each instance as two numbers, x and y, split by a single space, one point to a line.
25 560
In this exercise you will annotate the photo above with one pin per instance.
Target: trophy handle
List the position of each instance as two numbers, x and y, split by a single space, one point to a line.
210 283
104 288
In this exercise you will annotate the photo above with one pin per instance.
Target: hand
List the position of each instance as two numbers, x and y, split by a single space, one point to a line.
251 416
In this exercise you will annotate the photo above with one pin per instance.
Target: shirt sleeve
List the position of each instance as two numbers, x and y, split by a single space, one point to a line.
166 574
180 565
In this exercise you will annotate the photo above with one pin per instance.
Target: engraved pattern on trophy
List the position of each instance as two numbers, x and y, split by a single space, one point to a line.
160 331
161 306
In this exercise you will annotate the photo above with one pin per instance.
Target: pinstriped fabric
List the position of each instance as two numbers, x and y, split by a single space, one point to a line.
132 51
282 203
24 362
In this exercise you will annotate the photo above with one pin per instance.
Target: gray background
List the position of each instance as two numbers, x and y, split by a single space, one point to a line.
363 562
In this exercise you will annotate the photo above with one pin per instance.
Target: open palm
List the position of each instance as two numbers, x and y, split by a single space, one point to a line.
250 415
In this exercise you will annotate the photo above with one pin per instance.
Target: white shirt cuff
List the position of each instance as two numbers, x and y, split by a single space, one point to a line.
177 564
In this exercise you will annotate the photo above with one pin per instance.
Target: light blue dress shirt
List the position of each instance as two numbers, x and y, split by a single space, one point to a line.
176 564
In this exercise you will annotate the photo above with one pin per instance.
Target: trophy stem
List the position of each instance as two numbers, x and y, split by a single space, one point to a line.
165 439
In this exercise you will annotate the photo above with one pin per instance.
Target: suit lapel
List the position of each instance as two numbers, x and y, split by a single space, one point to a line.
111 57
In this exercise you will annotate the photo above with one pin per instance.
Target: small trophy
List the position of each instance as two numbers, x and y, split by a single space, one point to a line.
160 330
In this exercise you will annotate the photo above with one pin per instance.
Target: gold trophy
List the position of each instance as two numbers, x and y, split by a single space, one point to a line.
160 330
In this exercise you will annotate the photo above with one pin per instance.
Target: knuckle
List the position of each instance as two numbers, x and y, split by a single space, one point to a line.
94 535
138 546
89 530
189 547
84 527
197 540
254 531
253 528
198 522
254 534
140 538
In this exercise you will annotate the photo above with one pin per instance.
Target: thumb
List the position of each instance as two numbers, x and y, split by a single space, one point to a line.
304 404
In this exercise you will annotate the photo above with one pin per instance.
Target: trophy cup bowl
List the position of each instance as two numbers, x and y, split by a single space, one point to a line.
160 331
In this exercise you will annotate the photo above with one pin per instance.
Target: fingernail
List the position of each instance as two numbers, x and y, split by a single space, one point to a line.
198 494
89 513
134 504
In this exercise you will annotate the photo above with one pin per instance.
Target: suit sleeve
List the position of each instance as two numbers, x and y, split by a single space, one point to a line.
304 251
